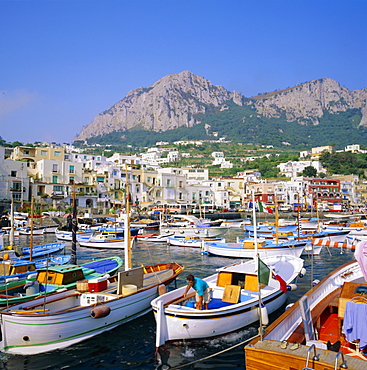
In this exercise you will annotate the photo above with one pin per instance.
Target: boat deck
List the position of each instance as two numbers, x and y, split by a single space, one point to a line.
269 354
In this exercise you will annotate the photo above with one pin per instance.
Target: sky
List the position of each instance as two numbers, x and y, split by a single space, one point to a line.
62 62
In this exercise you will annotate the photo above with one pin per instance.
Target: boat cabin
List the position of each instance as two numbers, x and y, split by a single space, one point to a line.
60 275
251 243
14 267
245 281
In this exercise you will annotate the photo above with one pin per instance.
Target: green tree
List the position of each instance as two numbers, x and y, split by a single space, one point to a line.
309 171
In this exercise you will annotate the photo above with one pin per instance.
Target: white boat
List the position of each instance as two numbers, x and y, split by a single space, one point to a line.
29 231
235 224
68 235
64 318
299 338
270 229
247 248
191 241
153 237
191 225
234 301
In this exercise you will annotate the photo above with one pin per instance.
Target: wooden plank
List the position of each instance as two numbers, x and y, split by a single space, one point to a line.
231 293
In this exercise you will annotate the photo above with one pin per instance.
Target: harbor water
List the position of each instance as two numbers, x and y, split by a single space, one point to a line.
132 346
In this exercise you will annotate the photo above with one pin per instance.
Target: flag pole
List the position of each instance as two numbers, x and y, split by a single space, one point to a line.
256 260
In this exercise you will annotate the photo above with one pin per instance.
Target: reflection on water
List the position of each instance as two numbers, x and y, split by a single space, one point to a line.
132 346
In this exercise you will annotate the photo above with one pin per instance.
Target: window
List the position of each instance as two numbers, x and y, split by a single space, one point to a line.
100 179
148 179
168 182
71 169
71 180
180 184
57 154
44 152
86 180
26 152
57 188
54 179
54 168
17 186
13 173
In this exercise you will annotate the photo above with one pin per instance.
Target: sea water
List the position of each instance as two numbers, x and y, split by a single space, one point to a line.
132 345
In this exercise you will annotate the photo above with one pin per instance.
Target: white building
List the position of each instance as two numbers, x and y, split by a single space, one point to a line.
220 160
14 181
294 168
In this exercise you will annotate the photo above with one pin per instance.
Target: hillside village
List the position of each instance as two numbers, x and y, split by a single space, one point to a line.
53 174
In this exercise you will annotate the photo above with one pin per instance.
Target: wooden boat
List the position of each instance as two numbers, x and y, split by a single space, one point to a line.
11 270
247 248
51 279
337 236
299 338
145 224
234 301
38 251
71 316
191 225
191 241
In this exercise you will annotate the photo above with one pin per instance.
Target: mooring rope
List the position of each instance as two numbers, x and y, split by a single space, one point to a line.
215 354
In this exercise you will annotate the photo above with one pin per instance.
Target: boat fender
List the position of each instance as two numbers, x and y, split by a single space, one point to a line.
264 315
15 278
291 287
302 272
288 306
315 282
205 253
100 311
162 289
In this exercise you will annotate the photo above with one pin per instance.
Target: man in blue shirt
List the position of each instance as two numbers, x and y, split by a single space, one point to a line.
202 291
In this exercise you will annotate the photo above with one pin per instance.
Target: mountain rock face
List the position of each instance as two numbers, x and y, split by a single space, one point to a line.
175 100
171 102
307 102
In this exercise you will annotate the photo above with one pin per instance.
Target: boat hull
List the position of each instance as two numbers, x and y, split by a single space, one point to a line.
178 319
29 334
237 250
68 317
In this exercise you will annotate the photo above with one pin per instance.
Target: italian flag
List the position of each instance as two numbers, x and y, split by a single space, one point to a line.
265 274
263 208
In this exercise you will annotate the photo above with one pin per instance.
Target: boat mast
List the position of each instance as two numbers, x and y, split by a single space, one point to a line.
73 230
276 220
127 235
31 235
256 260
11 236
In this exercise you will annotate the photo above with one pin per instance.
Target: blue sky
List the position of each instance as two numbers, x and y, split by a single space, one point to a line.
64 61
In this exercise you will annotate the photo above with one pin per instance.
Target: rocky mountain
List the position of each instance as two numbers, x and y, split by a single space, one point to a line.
308 102
177 100
171 102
